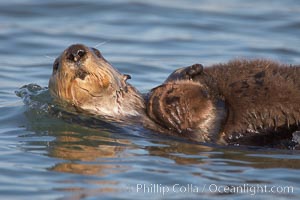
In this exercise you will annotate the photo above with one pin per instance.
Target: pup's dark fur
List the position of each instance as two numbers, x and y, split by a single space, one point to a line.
262 100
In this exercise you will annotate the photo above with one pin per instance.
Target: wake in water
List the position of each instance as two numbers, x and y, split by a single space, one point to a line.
36 97
39 102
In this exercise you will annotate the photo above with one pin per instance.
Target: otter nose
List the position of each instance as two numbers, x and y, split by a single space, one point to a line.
75 52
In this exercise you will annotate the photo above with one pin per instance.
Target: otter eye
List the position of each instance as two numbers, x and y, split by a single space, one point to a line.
97 52
55 65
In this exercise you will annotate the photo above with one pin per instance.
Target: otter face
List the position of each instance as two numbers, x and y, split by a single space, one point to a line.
83 78
188 109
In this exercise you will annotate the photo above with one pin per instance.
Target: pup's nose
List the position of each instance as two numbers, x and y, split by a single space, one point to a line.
75 52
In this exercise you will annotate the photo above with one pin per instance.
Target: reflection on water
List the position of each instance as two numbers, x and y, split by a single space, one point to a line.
82 154
104 157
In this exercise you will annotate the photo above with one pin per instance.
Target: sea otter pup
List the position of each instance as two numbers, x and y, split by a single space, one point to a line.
225 103
254 102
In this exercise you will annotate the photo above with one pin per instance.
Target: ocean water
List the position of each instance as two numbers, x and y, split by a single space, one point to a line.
46 156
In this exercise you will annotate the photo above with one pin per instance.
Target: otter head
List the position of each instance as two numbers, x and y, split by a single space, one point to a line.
187 108
83 78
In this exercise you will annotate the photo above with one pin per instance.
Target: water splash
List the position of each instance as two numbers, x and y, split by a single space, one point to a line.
35 97
41 104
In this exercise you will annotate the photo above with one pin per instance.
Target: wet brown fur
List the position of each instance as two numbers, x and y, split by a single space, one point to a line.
262 99
244 101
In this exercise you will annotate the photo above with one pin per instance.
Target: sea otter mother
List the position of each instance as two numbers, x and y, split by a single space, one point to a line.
252 102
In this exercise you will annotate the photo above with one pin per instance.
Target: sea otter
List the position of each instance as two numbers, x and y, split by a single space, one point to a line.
242 102
83 78
251 102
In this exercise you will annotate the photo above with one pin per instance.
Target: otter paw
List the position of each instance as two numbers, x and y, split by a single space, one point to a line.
193 70
186 73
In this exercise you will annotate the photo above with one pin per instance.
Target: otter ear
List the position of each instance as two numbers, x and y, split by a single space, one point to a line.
97 52
126 77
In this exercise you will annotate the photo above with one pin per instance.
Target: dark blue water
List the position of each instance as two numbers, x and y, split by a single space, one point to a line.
44 156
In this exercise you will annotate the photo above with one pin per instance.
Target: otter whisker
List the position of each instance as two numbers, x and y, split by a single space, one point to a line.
52 58
101 43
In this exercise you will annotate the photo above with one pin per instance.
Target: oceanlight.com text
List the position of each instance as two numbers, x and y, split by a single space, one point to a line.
250 189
